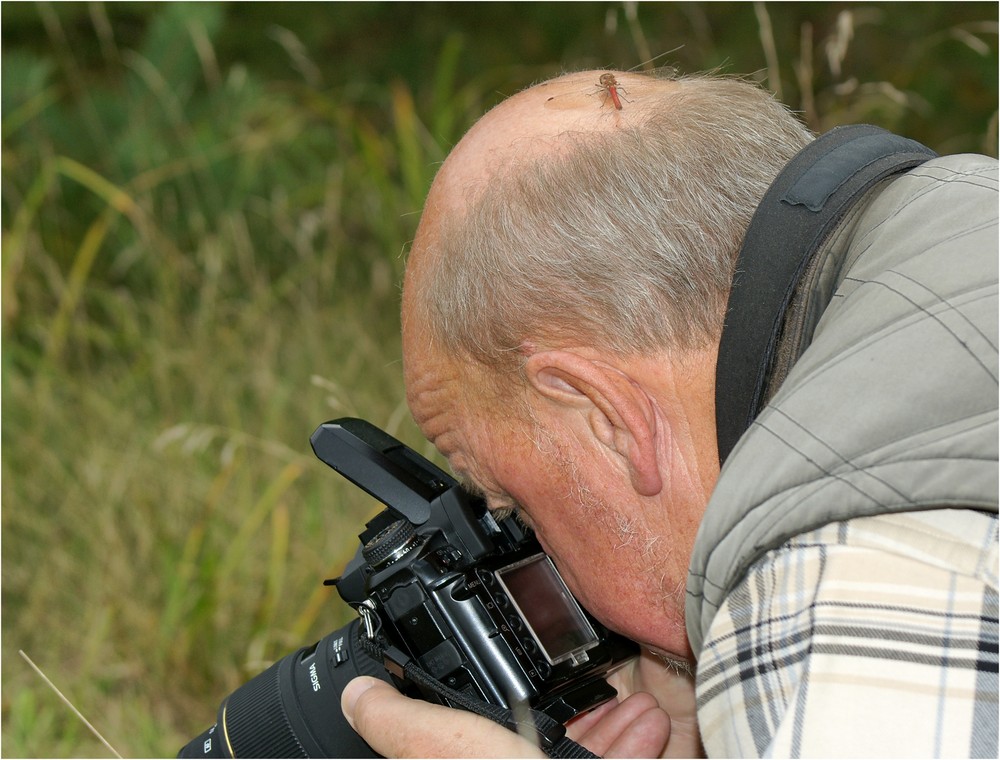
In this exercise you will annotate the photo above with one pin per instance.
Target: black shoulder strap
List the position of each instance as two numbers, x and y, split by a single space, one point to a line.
802 207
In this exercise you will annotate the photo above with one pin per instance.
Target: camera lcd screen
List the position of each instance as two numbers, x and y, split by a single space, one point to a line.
552 614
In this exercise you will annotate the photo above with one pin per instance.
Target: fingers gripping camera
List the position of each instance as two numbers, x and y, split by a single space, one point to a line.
442 589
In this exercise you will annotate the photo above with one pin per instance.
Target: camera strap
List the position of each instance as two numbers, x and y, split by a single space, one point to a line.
803 206
546 732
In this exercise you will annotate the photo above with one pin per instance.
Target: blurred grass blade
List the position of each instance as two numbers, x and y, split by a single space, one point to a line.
237 551
183 592
445 114
118 202
412 161
320 597
83 261
770 49
69 704
277 564
32 108
14 248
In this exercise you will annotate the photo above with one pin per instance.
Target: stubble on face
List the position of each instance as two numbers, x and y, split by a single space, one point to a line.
632 543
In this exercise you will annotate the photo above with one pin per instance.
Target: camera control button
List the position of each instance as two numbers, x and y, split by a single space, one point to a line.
390 545
448 556
339 651
487 579
443 659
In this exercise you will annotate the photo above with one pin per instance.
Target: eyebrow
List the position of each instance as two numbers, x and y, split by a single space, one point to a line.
469 485
478 491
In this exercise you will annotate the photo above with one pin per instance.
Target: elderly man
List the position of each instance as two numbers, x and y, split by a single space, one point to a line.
576 325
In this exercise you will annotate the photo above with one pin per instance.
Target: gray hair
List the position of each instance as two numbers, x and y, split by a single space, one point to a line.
626 241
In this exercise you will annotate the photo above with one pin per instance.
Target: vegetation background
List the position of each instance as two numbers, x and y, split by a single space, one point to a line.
205 209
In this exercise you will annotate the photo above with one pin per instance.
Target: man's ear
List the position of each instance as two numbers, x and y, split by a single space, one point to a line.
620 414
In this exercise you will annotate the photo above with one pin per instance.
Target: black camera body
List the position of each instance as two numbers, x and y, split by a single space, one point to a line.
438 582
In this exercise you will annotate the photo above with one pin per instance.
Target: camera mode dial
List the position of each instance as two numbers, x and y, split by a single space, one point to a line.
390 544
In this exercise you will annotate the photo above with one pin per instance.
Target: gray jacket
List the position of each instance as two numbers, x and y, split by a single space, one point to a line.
892 407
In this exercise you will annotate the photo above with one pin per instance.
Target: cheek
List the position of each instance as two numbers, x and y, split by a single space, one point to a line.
595 570
577 528
599 588
610 575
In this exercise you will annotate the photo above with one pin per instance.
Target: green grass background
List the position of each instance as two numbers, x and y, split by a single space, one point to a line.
205 212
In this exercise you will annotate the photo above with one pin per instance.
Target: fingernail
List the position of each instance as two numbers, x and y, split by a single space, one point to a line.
352 692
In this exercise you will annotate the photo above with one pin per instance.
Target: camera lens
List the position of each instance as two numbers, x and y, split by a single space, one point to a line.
292 709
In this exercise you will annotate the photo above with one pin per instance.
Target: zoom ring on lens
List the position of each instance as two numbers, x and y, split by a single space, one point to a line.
255 722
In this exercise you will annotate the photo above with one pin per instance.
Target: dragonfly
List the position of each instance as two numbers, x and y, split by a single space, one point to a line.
607 86
615 91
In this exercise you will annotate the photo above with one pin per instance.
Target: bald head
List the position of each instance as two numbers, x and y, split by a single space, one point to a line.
535 124
528 126
560 219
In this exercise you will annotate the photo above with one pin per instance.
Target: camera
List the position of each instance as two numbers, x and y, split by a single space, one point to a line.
444 591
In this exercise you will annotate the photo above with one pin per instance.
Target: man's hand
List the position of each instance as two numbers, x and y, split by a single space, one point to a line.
673 693
635 726
397 726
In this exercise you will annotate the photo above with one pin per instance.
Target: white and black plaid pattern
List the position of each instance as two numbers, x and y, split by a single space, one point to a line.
875 637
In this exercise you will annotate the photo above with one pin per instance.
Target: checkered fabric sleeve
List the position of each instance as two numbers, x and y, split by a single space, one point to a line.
874 637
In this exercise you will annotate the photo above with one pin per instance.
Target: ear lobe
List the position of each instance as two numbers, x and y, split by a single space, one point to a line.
619 413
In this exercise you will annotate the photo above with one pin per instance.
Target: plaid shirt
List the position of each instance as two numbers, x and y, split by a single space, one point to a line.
873 637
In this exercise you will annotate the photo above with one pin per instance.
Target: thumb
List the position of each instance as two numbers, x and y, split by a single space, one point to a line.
352 693
397 726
